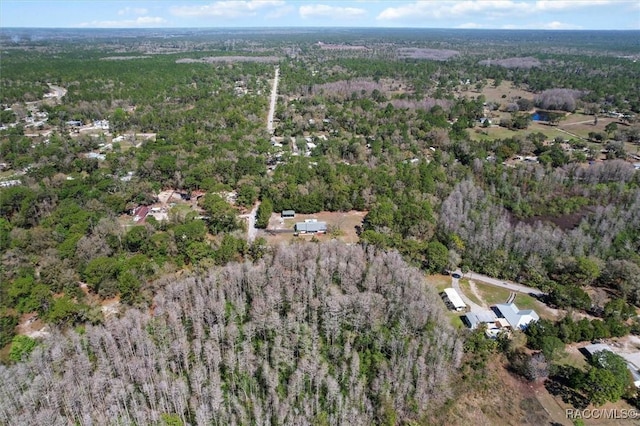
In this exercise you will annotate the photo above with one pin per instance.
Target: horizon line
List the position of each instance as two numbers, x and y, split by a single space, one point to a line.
320 27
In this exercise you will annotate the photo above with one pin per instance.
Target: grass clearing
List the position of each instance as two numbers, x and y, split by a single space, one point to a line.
440 282
524 301
455 319
504 92
466 289
491 294
343 225
572 356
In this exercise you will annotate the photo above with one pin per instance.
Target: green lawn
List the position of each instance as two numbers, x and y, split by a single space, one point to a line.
573 359
440 282
491 294
455 320
496 132
524 301
466 289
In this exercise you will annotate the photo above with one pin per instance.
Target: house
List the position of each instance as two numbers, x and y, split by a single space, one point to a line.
287 214
517 318
139 213
453 300
311 226
474 319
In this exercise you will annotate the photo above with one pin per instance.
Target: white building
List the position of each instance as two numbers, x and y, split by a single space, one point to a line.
453 299
517 318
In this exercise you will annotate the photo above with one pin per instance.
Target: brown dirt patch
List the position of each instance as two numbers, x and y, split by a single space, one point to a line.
501 399
494 94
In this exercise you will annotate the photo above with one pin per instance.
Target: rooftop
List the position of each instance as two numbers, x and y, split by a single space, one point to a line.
516 318
454 298
311 226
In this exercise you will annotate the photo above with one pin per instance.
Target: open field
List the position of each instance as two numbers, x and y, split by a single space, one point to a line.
492 295
579 125
506 89
341 226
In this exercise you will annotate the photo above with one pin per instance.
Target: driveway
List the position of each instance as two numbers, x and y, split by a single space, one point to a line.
252 231
473 307
502 283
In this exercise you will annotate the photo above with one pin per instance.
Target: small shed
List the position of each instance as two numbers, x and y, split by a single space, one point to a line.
287 214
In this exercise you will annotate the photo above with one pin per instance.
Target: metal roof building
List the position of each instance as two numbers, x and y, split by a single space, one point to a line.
517 319
454 299
311 227
593 349
474 319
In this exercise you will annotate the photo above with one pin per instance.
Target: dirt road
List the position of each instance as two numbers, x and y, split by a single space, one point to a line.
252 231
272 104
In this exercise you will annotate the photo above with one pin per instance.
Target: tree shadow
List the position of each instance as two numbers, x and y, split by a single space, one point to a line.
568 395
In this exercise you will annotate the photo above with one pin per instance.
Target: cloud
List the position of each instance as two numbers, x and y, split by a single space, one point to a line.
226 9
468 25
280 12
487 8
554 25
142 21
133 11
324 11
555 5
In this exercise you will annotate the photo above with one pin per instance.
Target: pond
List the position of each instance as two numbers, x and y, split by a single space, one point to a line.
540 116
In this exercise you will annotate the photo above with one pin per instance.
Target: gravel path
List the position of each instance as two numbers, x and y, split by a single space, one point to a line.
252 231
272 104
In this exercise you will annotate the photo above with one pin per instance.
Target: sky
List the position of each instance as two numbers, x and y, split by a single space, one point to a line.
493 14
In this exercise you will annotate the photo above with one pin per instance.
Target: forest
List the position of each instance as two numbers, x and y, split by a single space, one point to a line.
430 134
322 334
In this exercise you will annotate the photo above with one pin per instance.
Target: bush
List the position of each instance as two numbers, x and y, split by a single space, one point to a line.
8 324
21 347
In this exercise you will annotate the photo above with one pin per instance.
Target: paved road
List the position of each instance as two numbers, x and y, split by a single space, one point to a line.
501 283
272 105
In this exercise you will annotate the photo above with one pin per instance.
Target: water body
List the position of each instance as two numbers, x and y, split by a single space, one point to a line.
540 116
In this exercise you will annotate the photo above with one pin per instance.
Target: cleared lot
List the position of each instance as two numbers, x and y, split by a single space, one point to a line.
341 225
